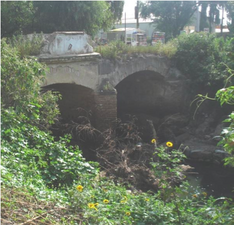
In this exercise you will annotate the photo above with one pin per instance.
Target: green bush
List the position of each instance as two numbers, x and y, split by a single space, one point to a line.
28 151
202 58
21 81
100 201
197 57
226 96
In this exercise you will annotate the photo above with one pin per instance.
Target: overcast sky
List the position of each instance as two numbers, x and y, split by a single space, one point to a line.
129 8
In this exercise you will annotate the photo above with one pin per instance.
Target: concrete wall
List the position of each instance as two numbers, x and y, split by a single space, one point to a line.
66 43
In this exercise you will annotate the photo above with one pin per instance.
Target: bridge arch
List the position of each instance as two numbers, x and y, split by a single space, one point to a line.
159 81
76 101
141 92
149 97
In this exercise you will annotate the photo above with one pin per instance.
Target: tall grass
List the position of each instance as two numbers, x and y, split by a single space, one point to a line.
118 49
27 45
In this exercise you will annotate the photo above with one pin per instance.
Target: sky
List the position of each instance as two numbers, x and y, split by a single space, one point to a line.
129 8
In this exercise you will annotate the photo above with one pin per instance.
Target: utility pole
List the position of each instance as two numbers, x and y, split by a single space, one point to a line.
125 36
137 14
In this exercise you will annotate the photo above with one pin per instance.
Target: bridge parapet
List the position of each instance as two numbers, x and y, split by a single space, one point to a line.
66 43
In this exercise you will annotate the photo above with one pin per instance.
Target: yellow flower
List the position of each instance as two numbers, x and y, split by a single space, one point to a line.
125 200
106 201
79 188
128 213
147 199
195 196
169 144
92 205
153 141
204 193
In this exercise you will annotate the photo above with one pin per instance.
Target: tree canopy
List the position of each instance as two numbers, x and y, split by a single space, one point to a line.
16 17
169 17
50 16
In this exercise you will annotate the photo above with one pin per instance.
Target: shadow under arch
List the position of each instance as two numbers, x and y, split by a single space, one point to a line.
76 101
150 98
77 117
141 92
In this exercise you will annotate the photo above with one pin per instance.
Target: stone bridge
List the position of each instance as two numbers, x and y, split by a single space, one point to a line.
104 89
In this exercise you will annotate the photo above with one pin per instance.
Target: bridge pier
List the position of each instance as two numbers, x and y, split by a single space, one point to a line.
105 109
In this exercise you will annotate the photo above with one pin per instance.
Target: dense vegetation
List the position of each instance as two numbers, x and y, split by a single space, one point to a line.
49 16
47 181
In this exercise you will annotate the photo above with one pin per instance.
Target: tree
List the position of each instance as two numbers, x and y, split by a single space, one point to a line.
50 16
116 9
16 17
169 17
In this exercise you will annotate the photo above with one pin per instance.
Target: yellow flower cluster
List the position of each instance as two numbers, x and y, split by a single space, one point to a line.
153 141
106 201
79 188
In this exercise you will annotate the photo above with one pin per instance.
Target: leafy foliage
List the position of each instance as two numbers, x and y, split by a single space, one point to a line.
101 201
228 139
21 85
169 17
116 9
226 96
202 58
16 17
50 16
167 164
27 150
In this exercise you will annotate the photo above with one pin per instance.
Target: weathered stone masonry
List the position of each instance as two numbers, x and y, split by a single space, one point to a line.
105 110
82 67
